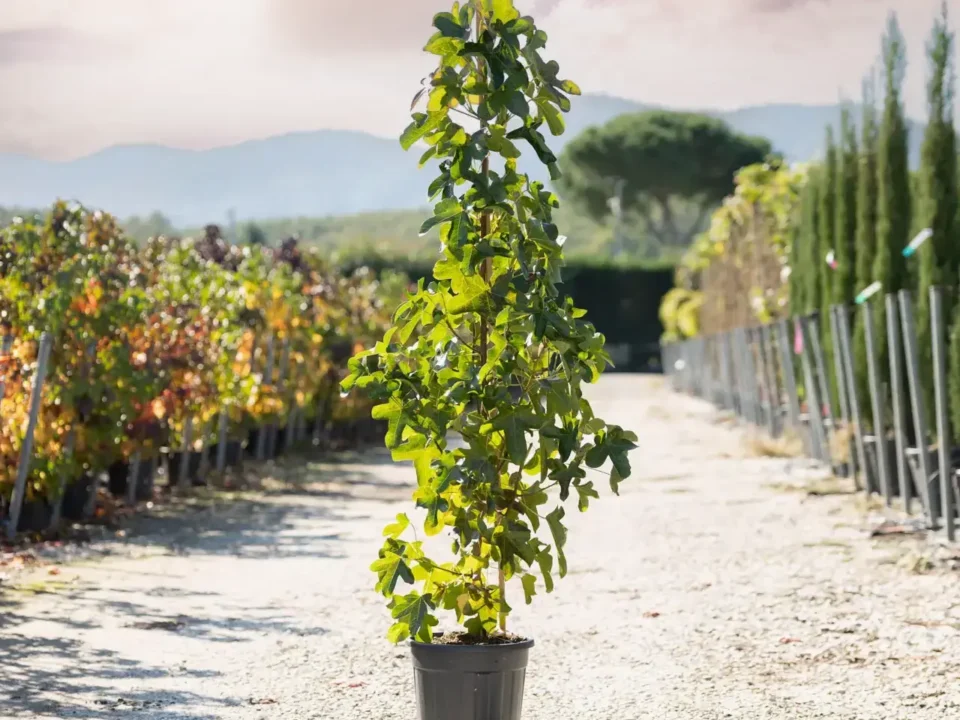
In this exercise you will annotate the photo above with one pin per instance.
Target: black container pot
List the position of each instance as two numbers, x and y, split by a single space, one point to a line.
35 516
282 444
75 497
470 682
174 462
118 477
253 437
233 455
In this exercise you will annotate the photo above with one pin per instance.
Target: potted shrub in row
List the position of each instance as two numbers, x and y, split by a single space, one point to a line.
490 354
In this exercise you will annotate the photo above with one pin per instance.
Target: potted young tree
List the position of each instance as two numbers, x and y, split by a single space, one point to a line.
479 378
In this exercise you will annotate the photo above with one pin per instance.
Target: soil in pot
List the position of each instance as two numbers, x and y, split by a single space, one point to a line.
35 516
455 680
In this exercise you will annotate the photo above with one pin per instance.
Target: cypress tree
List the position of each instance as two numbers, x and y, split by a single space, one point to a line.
797 272
893 187
844 284
809 243
826 220
827 239
938 199
866 227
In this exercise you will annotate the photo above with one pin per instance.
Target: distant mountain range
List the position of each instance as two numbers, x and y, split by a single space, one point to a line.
327 172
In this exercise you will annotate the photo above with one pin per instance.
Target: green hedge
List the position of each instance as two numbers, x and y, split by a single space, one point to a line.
621 301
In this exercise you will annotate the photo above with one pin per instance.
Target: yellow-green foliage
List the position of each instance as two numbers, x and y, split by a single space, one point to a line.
680 314
737 270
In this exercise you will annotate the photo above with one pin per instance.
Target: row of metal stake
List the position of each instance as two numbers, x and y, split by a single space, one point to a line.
265 447
753 373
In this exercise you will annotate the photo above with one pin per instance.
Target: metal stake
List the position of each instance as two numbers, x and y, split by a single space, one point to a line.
184 482
853 397
896 386
943 422
876 402
26 449
917 405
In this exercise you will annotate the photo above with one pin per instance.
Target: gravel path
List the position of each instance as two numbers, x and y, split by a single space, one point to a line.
715 587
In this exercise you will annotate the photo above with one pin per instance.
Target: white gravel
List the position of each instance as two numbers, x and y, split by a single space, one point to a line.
710 589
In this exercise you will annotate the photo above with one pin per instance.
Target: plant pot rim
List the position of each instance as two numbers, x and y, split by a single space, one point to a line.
498 647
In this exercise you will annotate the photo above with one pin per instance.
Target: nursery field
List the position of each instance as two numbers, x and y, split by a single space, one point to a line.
723 583
123 363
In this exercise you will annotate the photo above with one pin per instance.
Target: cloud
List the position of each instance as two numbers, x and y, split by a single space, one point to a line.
48 44
327 27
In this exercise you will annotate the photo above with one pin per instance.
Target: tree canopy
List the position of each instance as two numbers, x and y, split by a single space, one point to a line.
661 158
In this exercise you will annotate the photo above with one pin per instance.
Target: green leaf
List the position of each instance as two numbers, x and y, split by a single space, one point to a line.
615 480
586 492
448 26
435 506
474 296
389 570
529 587
518 104
443 45
559 532
517 542
504 11
412 613
552 115
570 87
443 212
422 126
596 456
545 561
395 530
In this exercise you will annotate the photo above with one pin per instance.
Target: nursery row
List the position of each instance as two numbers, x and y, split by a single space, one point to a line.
118 359
882 437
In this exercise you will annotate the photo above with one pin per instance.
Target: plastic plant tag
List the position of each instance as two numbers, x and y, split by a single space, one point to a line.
832 260
797 340
868 292
919 240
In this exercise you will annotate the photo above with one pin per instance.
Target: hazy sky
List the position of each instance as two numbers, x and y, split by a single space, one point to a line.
77 75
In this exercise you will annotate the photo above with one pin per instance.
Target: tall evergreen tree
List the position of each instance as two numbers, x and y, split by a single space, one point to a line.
826 220
845 229
893 187
866 225
809 250
827 237
797 270
938 204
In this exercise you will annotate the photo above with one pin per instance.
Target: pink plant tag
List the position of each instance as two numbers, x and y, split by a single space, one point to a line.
797 340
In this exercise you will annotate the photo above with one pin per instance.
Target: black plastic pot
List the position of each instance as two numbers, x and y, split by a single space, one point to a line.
470 682
253 437
75 496
233 455
193 469
282 445
118 476
35 516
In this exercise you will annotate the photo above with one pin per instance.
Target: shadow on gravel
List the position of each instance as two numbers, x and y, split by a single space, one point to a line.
68 689
49 664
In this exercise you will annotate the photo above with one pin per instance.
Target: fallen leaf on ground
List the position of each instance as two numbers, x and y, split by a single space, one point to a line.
651 614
